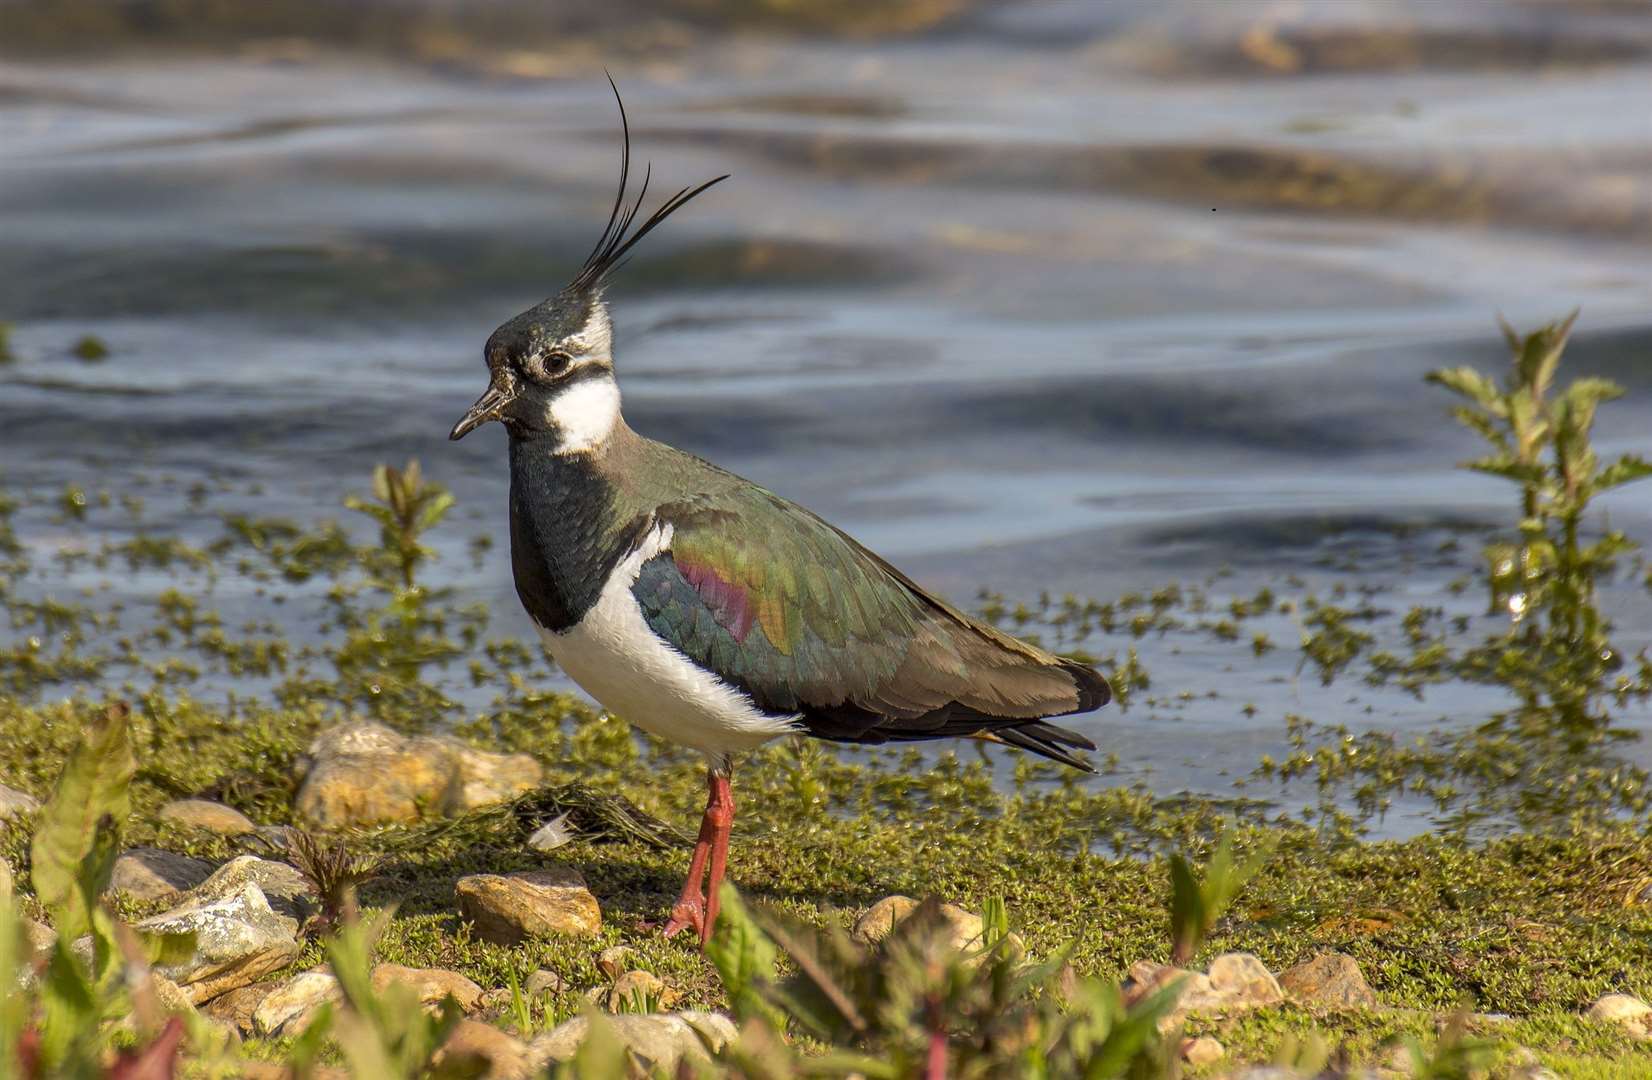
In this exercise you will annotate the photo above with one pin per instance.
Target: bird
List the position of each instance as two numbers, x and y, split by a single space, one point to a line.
704 608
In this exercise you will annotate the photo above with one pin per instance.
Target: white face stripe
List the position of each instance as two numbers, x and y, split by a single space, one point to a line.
584 412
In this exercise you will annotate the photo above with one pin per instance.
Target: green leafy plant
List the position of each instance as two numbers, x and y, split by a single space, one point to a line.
72 854
1198 901
407 507
334 871
1558 656
914 1005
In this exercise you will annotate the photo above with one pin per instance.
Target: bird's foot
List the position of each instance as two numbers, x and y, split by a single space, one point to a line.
686 913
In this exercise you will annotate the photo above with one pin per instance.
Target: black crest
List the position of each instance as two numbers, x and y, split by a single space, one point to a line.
618 237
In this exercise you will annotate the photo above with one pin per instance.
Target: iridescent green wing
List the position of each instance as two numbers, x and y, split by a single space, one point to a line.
777 602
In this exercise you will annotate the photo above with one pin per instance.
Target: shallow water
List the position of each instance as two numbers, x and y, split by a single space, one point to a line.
1056 296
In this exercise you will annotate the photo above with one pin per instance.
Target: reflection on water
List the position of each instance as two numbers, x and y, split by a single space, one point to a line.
1029 295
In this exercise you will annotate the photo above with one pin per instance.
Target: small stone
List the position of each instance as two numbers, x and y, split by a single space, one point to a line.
660 1040
881 918
14 803
235 1008
1625 1010
1244 981
286 889
482 779
41 938
1331 979
172 998
641 987
150 874
433 985
367 774
207 815
615 959
506 1057
507 908
1202 1051
966 927
238 940
288 1010
542 982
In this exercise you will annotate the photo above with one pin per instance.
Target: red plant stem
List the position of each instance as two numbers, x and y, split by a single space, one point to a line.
935 1068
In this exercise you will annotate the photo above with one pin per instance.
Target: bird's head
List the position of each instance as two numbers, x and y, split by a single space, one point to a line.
551 368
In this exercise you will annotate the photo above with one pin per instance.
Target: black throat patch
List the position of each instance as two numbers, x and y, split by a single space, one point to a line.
567 534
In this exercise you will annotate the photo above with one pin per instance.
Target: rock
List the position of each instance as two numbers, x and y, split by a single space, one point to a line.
966 927
235 1008
481 778
1332 979
289 1009
881 918
506 1056
238 940
14 803
173 999
283 886
41 938
367 774
1243 982
1202 1051
642 986
209 816
543 982
1236 982
615 959
659 1040
506 908
431 984
1625 1010
152 874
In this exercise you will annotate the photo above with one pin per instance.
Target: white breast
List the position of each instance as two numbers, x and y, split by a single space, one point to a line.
615 656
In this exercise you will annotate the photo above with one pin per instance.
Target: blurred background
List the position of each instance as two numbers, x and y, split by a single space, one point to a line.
1029 295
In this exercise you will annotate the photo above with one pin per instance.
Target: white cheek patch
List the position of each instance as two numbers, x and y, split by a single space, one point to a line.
584 413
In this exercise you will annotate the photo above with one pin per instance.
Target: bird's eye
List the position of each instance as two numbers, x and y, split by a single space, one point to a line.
546 365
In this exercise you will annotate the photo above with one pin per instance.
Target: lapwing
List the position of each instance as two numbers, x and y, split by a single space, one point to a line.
710 611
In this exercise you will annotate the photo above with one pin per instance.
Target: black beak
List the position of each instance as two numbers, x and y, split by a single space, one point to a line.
487 407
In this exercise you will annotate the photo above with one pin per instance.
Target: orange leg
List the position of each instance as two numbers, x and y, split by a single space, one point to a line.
695 907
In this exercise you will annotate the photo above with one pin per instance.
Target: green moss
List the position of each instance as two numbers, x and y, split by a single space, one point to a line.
89 347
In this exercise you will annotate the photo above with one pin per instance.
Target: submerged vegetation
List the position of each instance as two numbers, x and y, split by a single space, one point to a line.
1534 898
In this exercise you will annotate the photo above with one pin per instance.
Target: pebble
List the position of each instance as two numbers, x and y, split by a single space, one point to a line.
238 940
615 960
1201 1051
150 874
882 917
289 1009
508 908
660 1040
287 890
1331 979
644 986
506 1056
433 985
14 803
367 774
1625 1010
209 816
